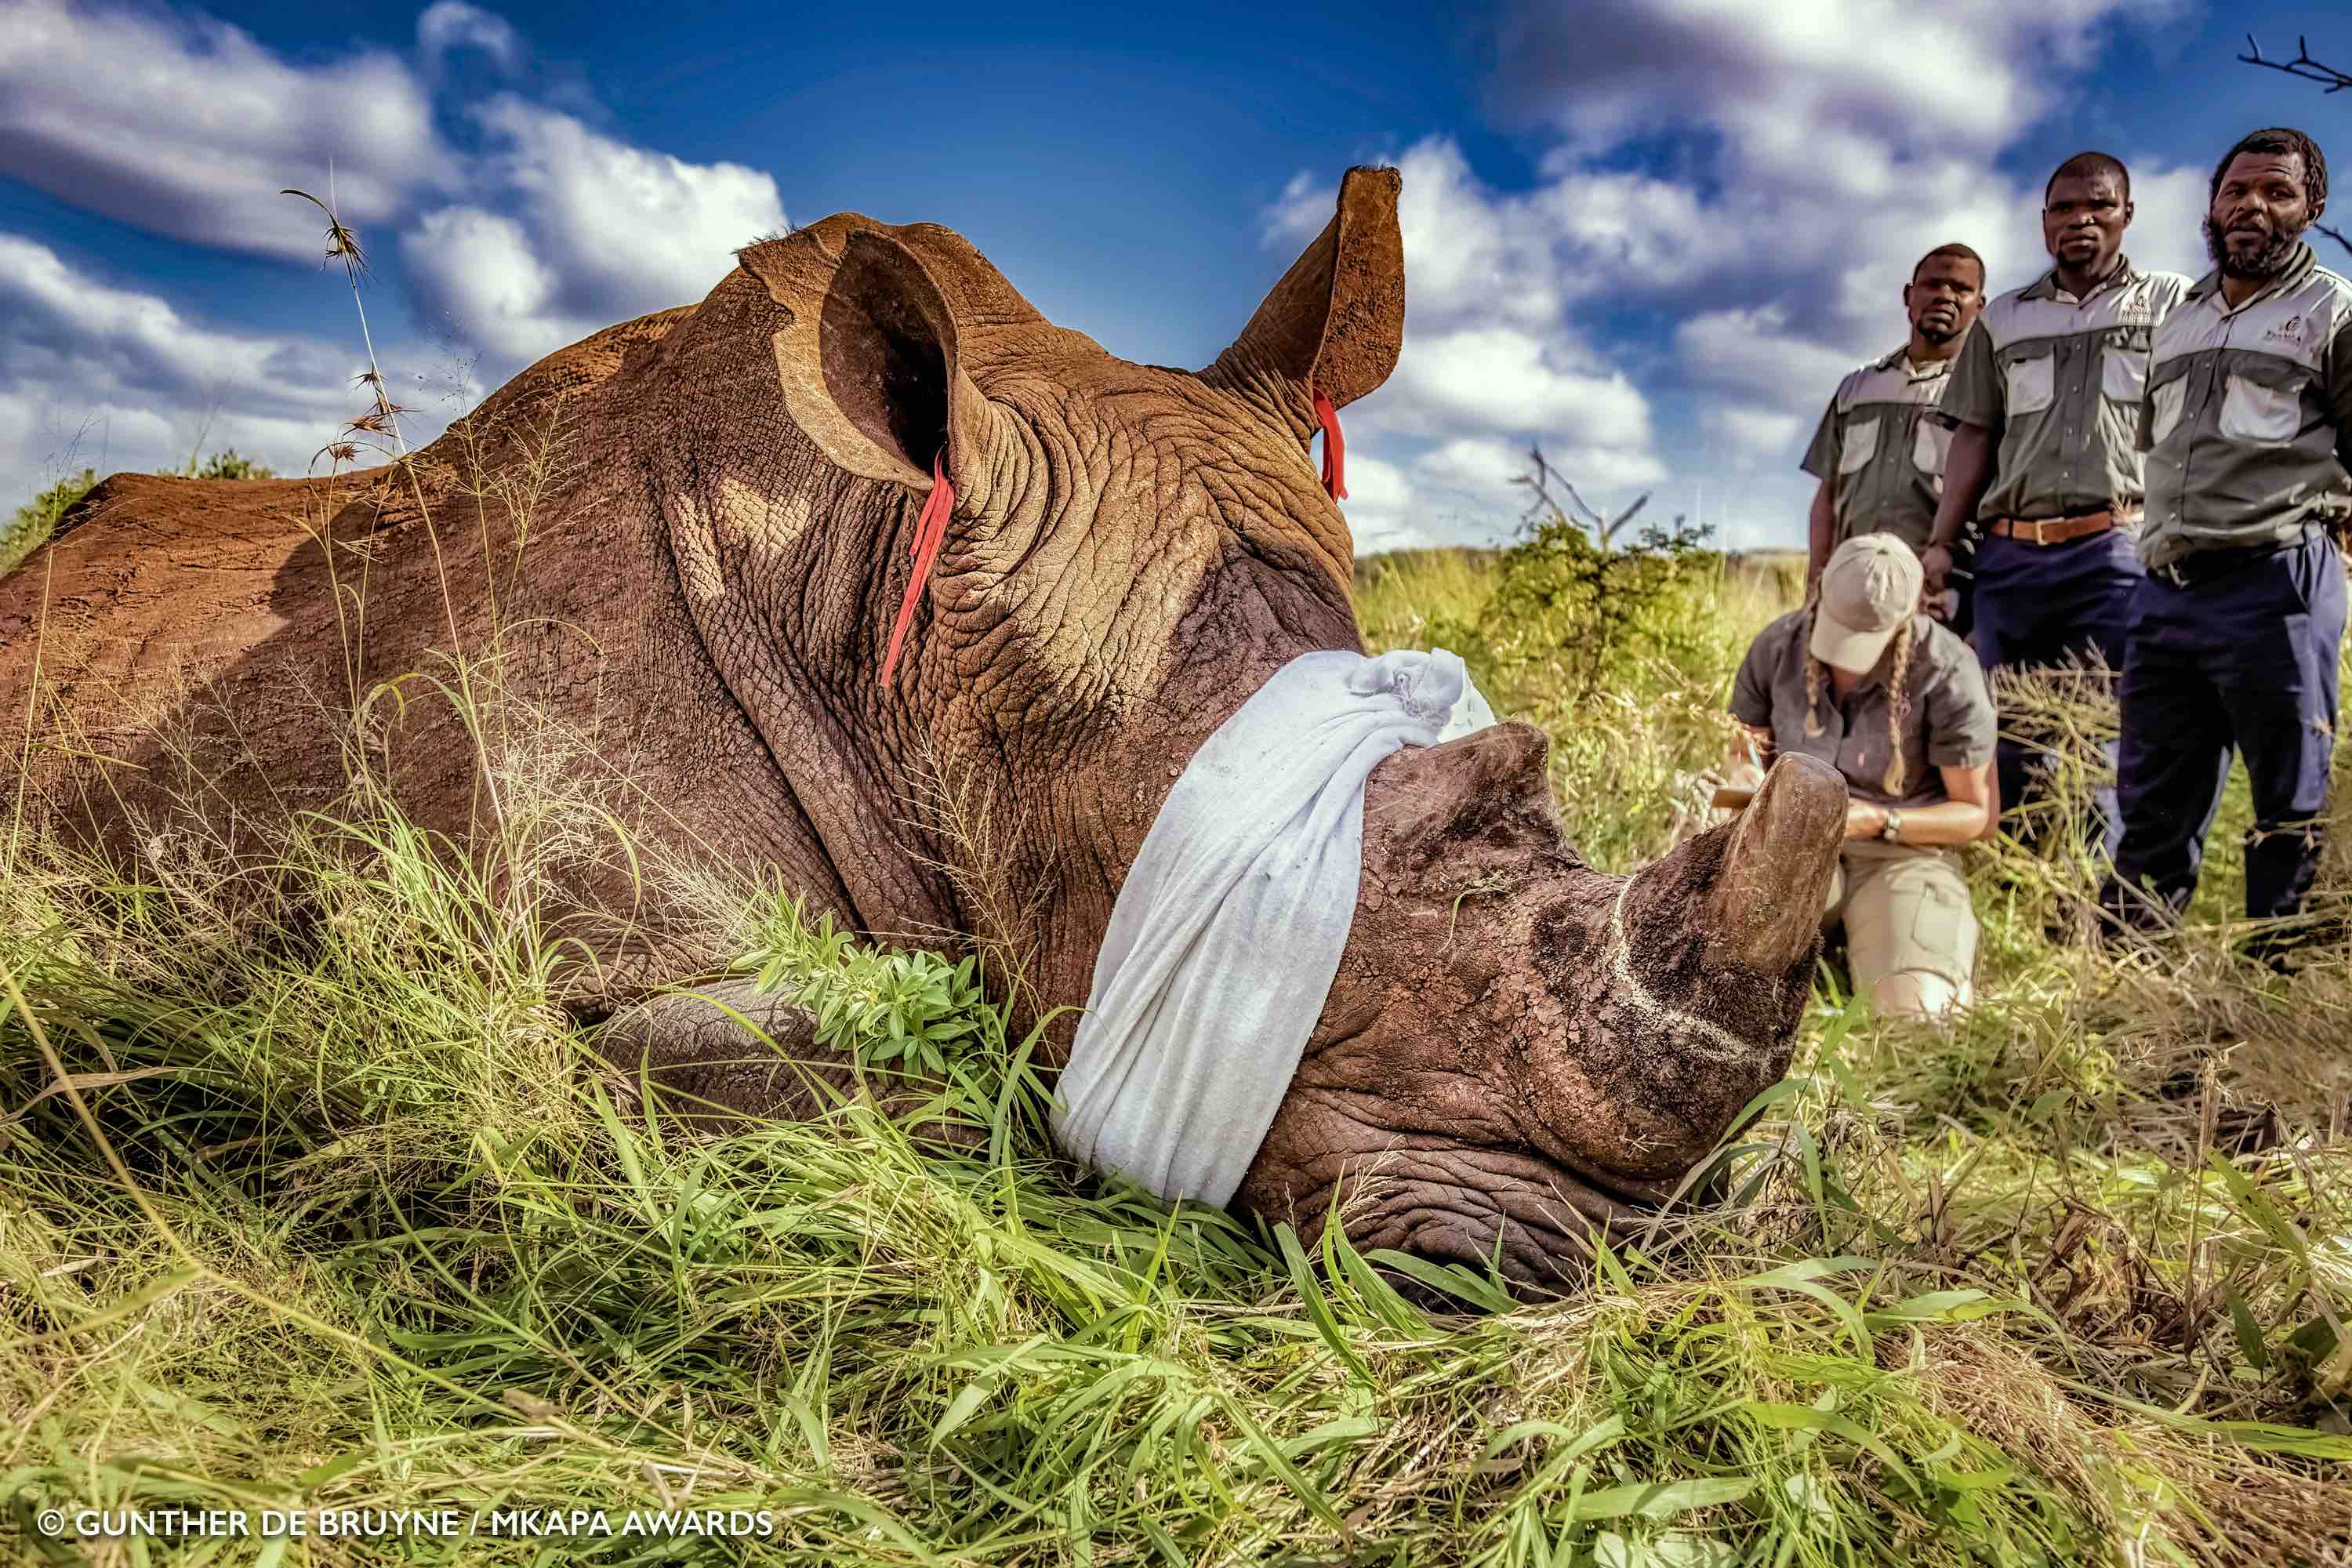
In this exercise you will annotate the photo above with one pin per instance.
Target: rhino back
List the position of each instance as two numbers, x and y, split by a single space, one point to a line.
192 648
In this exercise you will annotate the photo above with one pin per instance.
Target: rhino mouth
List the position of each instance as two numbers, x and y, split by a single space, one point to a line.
1463 1200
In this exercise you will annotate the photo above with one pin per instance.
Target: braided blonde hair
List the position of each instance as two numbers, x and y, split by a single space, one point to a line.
1896 664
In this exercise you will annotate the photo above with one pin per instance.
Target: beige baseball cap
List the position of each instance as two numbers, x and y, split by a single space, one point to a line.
1869 589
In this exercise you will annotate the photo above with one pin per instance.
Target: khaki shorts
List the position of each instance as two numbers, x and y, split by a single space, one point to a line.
1905 911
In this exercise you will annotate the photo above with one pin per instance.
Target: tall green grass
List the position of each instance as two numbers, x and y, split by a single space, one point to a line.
312 1194
315 1195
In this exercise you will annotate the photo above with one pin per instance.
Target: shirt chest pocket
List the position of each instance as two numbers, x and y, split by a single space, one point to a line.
2252 412
2123 365
1931 443
2031 383
2167 410
1860 444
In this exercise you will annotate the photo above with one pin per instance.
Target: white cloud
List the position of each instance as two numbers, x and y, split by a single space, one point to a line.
1793 165
569 230
481 271
1825 84
1751 433
185 126
95 376
1482 473
1380 507
1751 350
2168 219
447 26
1491 282
1500 378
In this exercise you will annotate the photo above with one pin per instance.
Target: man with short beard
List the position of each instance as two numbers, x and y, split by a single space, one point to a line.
1879 450
2248 429
2046 396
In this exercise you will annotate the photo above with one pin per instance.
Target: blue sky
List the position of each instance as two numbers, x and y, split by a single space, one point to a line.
1649 234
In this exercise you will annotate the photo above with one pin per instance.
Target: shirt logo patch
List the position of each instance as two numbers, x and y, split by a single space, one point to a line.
2288 332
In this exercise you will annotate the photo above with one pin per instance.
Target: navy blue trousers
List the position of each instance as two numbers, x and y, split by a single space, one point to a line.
2040 605
2245 660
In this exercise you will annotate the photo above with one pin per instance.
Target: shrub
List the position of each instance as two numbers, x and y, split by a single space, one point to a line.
1573 612
228 464
37 518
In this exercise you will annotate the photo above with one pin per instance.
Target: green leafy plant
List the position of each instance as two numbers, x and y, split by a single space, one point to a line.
913 1011
1577 607
37 518
227 464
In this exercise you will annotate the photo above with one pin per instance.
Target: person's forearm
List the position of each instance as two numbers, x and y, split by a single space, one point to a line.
1967 466
1821 533
1946 822
1750 748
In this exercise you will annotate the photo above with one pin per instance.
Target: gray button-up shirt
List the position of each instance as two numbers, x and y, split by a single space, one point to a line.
1949 723
1883 457
2247 414
2057 381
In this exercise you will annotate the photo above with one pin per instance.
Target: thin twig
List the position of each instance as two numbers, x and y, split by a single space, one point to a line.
2301 65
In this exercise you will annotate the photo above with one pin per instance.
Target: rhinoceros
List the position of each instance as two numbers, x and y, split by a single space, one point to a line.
1516 1049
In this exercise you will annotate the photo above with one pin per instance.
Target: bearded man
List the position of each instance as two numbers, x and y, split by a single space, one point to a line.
2236 628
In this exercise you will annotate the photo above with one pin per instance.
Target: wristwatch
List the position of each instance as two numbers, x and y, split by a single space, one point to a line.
1893 831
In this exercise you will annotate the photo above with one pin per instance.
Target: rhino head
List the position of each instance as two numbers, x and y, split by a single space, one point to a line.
1517 1047
1519 1050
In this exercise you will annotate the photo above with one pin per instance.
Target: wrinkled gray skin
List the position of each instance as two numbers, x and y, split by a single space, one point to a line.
708 588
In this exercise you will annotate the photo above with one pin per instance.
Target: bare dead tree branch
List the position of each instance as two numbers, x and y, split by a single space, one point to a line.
1541 480
2301 65
1609 533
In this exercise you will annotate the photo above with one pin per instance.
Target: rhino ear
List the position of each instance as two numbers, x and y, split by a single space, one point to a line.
1335 324
869 363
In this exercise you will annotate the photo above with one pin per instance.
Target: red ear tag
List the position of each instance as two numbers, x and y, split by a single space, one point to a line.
1335 450
929 528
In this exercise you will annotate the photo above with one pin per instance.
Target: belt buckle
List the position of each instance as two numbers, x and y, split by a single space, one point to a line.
2038 525
2171 573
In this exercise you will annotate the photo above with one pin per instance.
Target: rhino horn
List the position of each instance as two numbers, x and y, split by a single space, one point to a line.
1727 926
1765 907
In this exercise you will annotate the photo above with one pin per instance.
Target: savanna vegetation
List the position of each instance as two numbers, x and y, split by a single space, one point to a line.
313 1196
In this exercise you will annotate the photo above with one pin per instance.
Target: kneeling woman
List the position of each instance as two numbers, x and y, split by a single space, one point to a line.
1863 680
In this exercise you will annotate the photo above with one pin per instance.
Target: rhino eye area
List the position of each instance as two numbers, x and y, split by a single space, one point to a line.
884 365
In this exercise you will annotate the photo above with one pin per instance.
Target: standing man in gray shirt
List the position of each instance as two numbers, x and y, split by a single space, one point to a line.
2046 396
1879 449
2235 633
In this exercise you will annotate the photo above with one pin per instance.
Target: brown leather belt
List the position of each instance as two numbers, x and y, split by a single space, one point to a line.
2057 530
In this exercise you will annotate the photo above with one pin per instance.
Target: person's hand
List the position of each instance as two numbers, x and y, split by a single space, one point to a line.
1935 566
1864 820
1744 775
